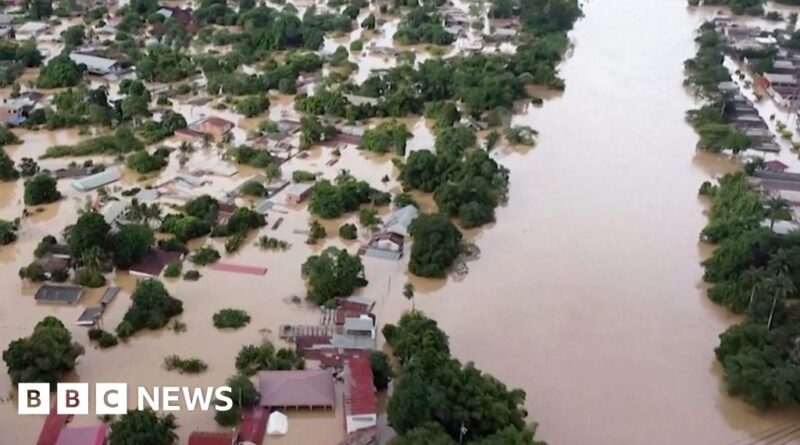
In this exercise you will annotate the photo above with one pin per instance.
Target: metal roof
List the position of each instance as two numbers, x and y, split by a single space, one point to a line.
106 176
93 63
400 220
300 388
58 294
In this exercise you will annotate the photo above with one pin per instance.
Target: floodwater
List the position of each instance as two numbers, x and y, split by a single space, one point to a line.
587 295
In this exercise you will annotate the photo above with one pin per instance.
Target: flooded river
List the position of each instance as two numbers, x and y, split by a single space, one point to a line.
588 293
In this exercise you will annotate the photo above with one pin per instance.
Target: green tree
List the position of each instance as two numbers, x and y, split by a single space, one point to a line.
39 9
333 273
131 243
143 428
382 371
437 244
60 72
91 230
41 189
152 307
45 356
7 170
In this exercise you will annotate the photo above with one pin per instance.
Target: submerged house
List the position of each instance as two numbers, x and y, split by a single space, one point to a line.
300 388
389 242
360 404
97 65
97 180
58 294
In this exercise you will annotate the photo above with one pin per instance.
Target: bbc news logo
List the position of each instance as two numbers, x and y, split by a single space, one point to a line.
112 398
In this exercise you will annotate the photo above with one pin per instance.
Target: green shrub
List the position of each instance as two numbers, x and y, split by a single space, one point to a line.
184 366
191 275
173 269
231 318
205 255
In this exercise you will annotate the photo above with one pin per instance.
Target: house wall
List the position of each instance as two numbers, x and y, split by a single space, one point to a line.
360 422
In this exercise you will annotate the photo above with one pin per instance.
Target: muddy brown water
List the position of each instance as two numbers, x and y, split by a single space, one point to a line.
587 294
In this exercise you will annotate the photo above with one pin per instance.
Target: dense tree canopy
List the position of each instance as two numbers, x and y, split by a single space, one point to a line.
151 308
437 244
143 428
333 273
45 356
436 395
41 189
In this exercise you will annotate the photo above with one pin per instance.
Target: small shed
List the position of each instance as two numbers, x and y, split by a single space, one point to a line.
298 192
278 424
52 294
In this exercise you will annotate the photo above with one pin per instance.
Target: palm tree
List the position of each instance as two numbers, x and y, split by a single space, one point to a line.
136 211
777 208
93 259
780 285
408 292
206 140
152 212
753 277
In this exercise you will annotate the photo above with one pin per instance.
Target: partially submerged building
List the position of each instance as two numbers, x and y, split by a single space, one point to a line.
97 180
360 404
97 65
300 388
52 294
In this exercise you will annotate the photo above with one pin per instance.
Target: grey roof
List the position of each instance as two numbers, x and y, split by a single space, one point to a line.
113 211
58 294
361 100
400 220
90 316
147 195
299 188
359 324
264 206
353 341
109 295
106 176
383 254
93 63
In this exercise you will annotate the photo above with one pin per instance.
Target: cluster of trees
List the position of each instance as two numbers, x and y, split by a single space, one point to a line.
144 162
151 308
41 189
60 72
120 142
77 107
144 428
468 187
422 25
438 400
14 58
254 358
252 106
437 244
389 135
154 131
755 272
231 318
161 63
8 231
333 273
749 7
346 194
45 356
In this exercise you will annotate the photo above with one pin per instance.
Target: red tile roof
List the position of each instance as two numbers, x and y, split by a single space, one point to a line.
254 425
775 166
86 435
204 438
53 425
359 390
300 388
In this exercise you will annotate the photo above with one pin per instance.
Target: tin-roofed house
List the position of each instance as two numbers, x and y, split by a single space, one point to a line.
96 64
58 294
300 388
360 404
97 180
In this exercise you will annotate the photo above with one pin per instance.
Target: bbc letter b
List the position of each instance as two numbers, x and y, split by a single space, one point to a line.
72 398
33 398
